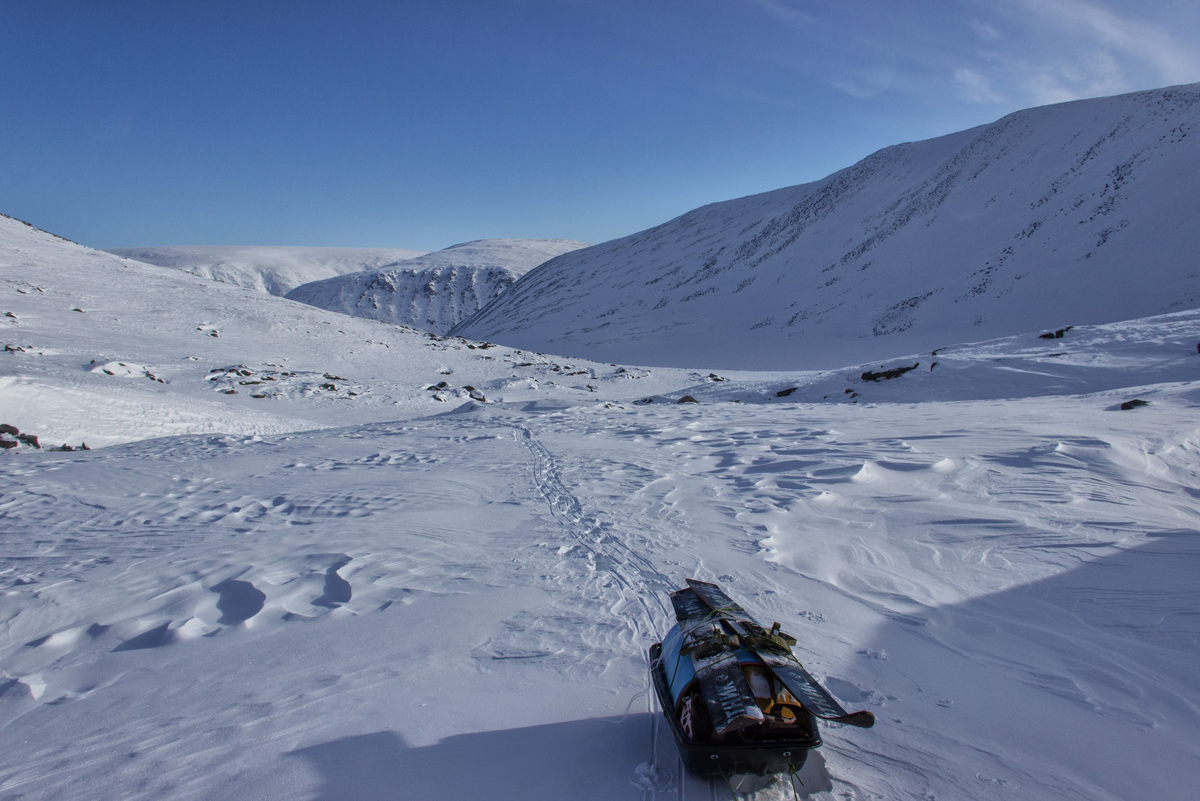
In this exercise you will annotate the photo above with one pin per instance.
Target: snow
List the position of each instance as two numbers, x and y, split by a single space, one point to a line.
276 270
344 581
1062 215
436 291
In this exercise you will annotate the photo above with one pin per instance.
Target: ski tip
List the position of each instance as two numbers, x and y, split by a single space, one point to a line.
693 582
864 719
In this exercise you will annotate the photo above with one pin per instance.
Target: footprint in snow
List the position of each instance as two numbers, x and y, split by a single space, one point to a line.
847 691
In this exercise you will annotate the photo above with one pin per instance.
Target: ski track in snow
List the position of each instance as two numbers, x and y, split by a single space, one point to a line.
617 558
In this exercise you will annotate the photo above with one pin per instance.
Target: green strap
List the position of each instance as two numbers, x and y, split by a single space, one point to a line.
728 784
792 777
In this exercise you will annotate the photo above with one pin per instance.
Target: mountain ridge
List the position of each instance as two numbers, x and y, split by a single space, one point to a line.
1030 222
272 269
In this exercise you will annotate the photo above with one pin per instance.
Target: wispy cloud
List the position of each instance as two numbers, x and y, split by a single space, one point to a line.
985 31
784 11
864 82
1131 36
975 87
1050 51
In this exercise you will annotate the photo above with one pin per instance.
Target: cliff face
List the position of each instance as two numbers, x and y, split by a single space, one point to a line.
436 291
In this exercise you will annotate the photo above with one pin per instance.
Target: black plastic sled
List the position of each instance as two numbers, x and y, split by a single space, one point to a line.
737 700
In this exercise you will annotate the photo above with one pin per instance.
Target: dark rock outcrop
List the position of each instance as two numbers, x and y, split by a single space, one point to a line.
883 375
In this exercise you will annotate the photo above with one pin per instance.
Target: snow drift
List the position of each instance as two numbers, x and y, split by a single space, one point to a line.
268 269
436 291
1066 214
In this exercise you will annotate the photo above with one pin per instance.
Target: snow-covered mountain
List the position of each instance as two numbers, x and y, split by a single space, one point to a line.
1076 213
314 556
436 291
85 333
268 269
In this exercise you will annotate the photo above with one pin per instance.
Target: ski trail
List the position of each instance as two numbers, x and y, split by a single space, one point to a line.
588 531
638 581
636 577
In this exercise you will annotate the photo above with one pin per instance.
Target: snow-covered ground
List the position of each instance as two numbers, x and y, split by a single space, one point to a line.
1062 215
336 583
276 270
436 291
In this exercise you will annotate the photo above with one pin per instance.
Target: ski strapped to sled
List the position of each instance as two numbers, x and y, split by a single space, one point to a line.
727 695
773 648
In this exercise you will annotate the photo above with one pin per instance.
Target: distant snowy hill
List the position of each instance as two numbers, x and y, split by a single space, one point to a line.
85 335
268 269
1076 213
436 291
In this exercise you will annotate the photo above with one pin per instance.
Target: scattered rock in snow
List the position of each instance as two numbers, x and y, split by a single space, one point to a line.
124 370
278 383
1055 334
783 393
21 439
1133 404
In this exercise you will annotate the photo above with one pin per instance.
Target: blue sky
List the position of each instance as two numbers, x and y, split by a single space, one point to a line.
421 124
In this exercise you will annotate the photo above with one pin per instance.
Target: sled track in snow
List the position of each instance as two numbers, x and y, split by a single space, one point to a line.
638 581
591 533
620 560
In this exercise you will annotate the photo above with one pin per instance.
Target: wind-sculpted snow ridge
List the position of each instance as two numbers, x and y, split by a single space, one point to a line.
275 270
1073 213
436 291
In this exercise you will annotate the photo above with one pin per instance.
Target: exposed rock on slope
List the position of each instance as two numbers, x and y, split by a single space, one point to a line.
1074 213
268 269
438 290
